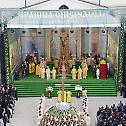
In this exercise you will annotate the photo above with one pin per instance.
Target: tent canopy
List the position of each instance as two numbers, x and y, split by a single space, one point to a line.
63 18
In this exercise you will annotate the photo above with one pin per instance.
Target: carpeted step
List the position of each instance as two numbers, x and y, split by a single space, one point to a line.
33 86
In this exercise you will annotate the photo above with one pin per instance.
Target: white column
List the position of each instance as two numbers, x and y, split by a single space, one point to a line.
72 43
90 44
56 45
25 42
86 42
103 43
47 32
79 41
40 43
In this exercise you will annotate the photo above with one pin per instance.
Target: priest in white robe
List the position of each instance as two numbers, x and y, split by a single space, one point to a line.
48 73
42 72
53 73
97 73
63 72
79 73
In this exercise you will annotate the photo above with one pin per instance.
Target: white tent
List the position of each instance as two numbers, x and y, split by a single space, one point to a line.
67 18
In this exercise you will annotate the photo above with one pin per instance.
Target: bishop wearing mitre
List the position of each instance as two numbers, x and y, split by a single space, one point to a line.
43 63
30 68
42 72
65 96
63 72
37 69
33 67
69 96
74 73
56 62
59 98
84 69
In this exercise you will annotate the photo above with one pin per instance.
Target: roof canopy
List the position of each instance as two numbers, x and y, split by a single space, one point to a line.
63 18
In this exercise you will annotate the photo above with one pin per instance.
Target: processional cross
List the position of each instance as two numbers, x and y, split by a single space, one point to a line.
62 85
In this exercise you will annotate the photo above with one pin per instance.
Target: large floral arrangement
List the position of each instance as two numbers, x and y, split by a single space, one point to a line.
54 111
56 117
49 89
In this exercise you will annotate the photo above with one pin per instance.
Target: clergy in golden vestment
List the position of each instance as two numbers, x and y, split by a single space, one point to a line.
30 68
59 97
63 72
74 72
53 73
42 63
65 96
70 63
56 62
69 96
83 62
84 93
37 70
79 73
84 70
40 68
33 67
42 72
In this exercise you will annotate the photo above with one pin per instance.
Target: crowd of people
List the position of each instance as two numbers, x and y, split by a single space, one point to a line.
85 107
112 116
39 67
8 95
70 120
123 90
40 110
79 119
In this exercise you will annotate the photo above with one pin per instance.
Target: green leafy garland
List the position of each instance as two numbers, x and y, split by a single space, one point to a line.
120 55
7 57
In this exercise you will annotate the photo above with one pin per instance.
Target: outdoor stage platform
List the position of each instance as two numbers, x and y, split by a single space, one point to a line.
33 86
